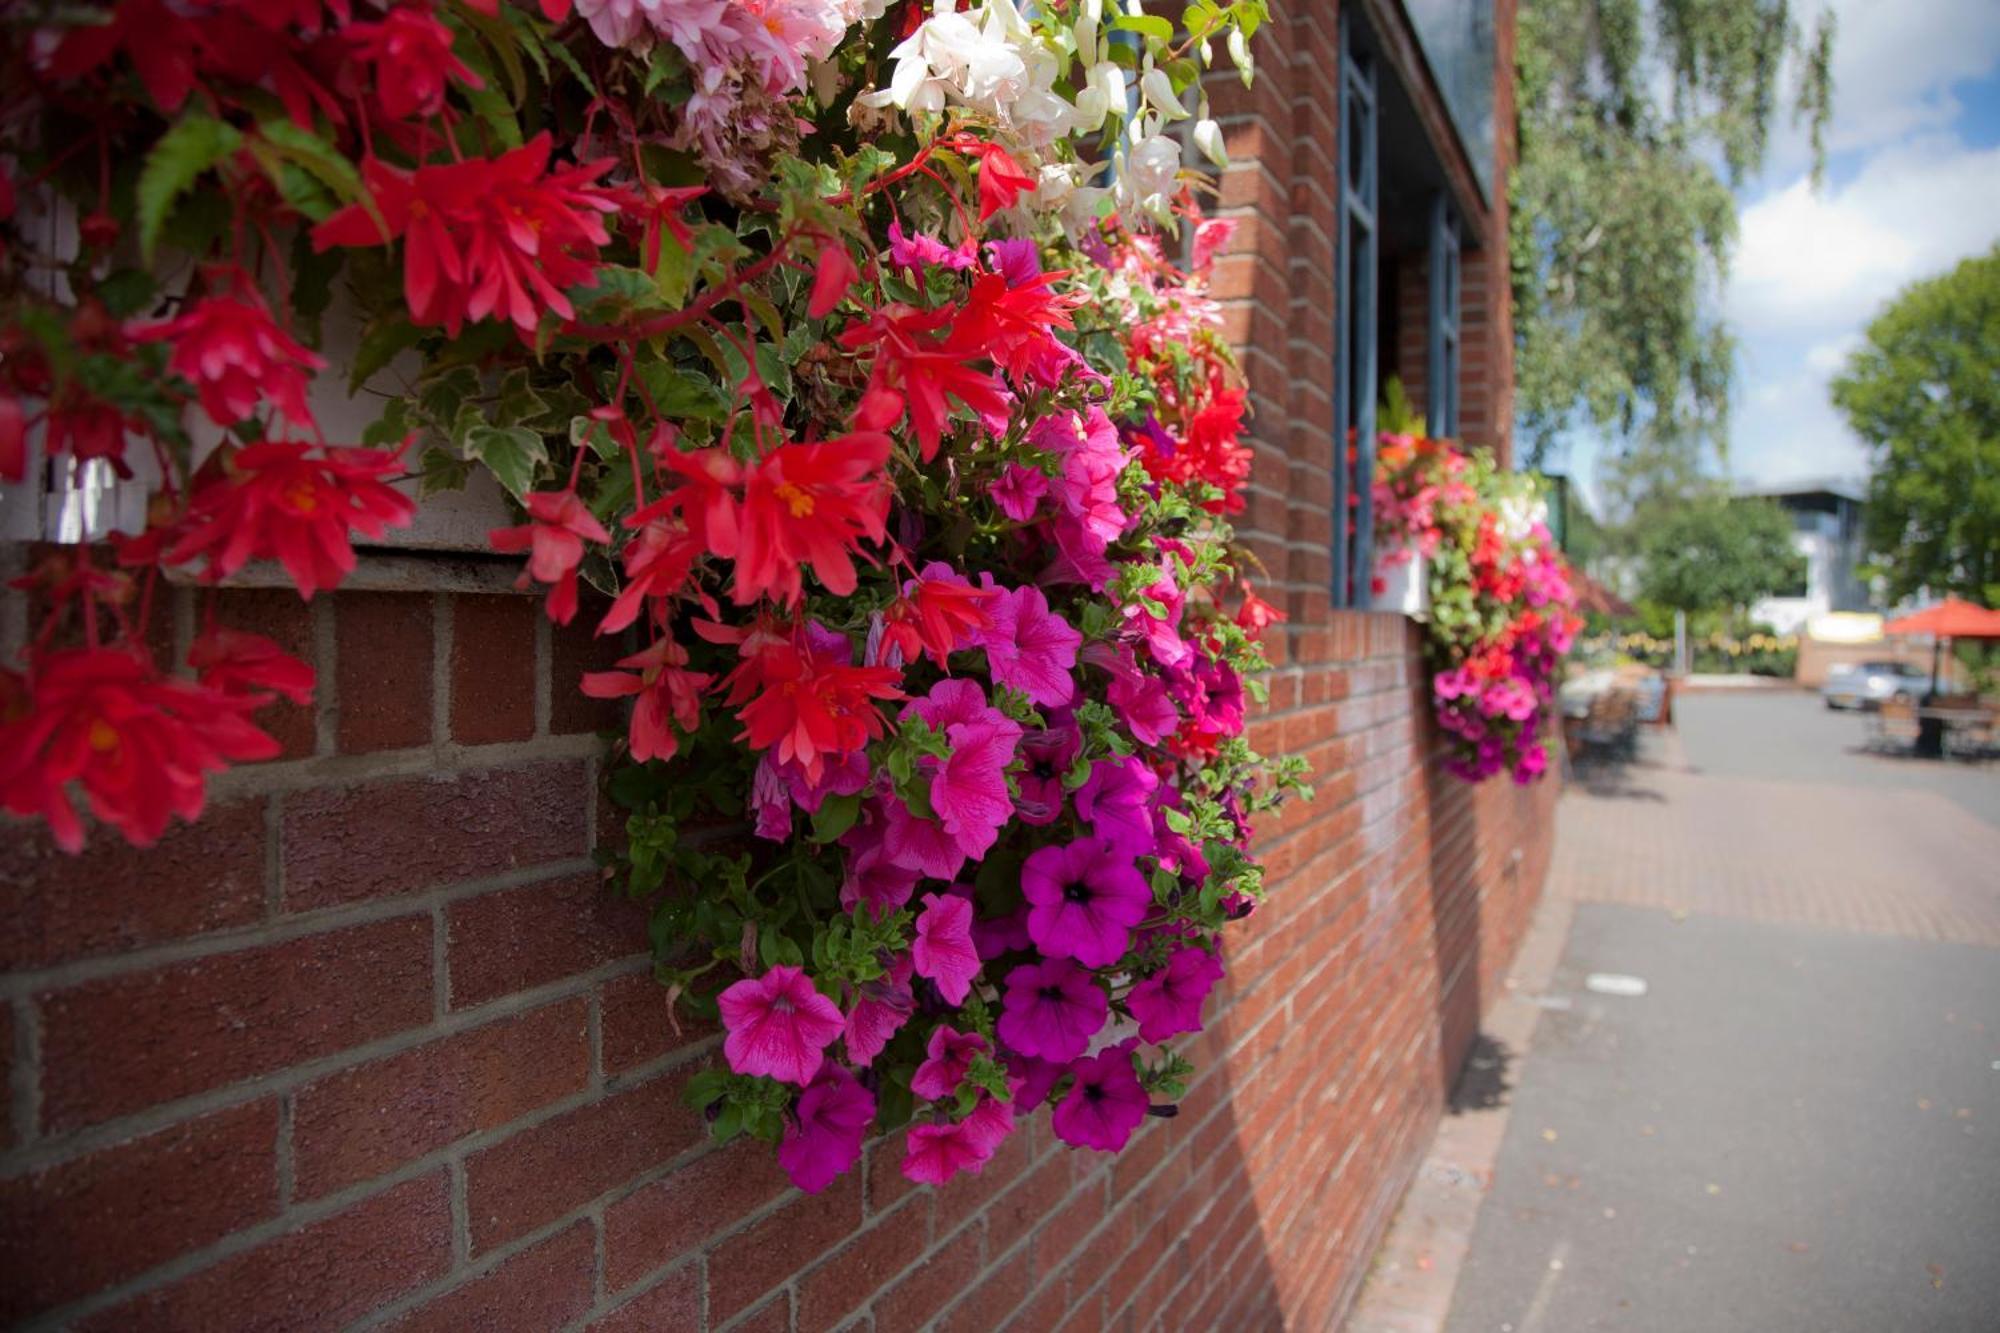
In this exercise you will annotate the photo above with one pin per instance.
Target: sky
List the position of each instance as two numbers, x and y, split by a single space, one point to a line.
1912 186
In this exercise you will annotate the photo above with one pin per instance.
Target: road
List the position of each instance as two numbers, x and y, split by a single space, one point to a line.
1797 1125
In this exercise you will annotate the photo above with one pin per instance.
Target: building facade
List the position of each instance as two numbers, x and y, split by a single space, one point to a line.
372 1045
1826 532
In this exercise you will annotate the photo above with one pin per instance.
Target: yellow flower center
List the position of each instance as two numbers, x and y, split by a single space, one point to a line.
103 736
302 496
796 499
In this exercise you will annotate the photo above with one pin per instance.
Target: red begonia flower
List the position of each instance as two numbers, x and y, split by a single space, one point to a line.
559 524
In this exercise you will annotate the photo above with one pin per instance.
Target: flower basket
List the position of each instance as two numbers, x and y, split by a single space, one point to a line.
1402 583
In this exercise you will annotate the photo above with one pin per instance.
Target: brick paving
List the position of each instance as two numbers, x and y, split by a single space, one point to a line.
1847 849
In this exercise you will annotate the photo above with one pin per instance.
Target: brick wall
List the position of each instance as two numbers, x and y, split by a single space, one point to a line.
369 1044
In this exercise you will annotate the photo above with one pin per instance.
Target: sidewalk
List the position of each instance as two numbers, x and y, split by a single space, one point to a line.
1797 1124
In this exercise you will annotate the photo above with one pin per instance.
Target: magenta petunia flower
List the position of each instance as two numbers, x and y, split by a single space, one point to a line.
778 1025
1052 1009
1031 648
1029 1078
1170 1000
943 949
1046 759
1117 800
1143 706
827 1128
995 935
936 1153
950 1053
918 844
1105 1104
1083 900
880 1009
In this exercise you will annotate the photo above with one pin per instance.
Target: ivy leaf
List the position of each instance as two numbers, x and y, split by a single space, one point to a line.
194 145
380 342
682 394
126 292
513 454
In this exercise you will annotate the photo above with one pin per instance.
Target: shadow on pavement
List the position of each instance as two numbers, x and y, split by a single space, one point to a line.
1483 1084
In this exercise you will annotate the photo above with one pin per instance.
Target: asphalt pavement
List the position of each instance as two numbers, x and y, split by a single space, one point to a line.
1796 1126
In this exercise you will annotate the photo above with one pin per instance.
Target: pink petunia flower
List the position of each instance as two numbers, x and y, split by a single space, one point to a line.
1169 1001
1083 900
827 1128
1105 1104
1029 1079
880 1009
919 845
1143 706
936 1153
1031 648
950 1055
1117 800
1019 492
874 879
943 949
779 1025
989 1124
1052 1009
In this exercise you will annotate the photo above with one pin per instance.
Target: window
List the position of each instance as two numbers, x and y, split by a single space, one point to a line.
1441 365
1354 371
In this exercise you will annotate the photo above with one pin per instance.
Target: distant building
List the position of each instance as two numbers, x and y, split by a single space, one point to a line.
1826 530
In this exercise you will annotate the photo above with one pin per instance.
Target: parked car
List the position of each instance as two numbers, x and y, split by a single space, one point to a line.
1868 684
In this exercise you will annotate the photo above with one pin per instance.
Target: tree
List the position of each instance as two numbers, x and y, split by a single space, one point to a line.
1922 390
1636 119
1715 554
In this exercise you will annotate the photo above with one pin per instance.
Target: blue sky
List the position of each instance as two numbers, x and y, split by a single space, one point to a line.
1912 187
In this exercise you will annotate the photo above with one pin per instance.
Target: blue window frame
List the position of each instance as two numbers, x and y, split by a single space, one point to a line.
1441 365
1354 372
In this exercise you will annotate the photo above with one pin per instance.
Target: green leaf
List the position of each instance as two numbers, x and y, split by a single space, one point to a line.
512 453
316 156
127 292
384 337
682 394
836 815
195 144
1146 25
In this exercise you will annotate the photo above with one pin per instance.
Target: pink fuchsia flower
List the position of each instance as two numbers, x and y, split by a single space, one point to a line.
936 1153
950 1053
1031 648
1052 1009
1019 492
827 1128
1048 755
1117 800
943 949
1105 1104
1170 1000
669 695
779 1025
771 803
558 525
411 53
880 1009
238 359
1083 900
916 251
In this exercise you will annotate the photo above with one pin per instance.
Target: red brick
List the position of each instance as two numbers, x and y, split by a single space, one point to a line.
382 670
1043 1309
651 1228
544 1171
493 668
928 1288
118 1044
96 1220
541 1288
750 1263
573 650
514 939
115 897
429 831
1021 1209
887 1185
319 1276
641 1026
1060 1234
361 1122
668 1306
987 1305
845 1281
283 616
773 1316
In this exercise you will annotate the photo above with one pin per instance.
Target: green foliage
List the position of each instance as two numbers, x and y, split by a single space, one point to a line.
1923 392
194 145
1715 553
1621 216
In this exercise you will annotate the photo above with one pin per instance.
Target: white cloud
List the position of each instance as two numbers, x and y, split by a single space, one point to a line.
1823 263
1827 358
1894 65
